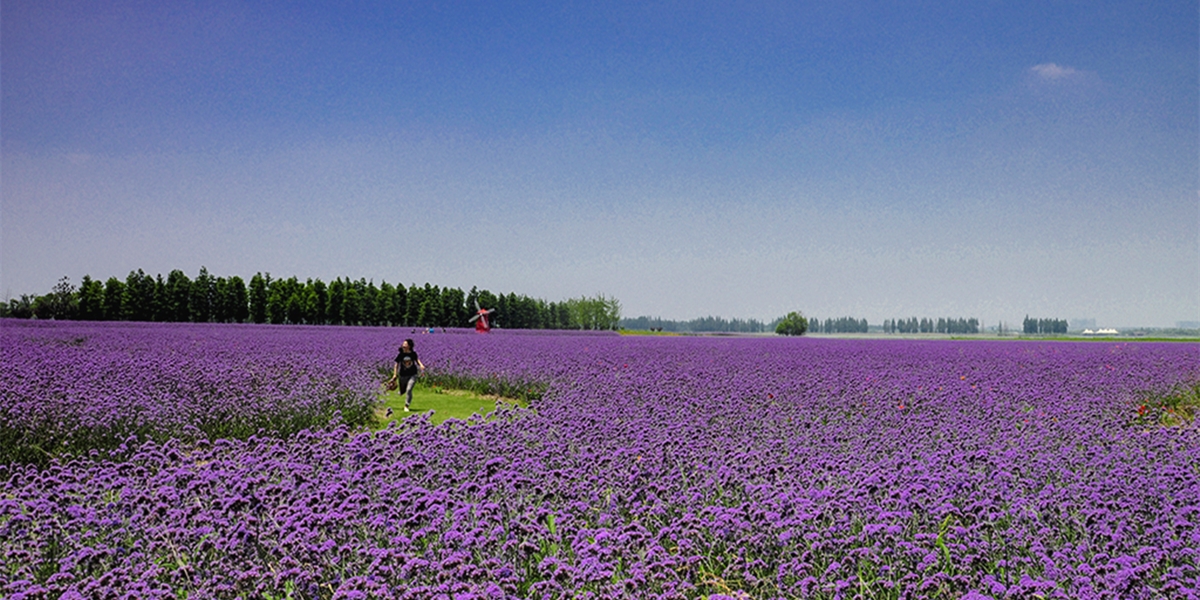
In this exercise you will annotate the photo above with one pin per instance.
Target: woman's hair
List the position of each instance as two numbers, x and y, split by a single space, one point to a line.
411 346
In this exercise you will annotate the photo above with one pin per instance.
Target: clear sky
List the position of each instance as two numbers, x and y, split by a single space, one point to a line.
739 159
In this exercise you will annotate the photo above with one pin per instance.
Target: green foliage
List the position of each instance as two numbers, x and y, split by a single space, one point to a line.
114 299
1044 326
203 298
178 291
941 325
598 313
793 324
702 324
235 300
18 308
839 325
258 297
61 303
139 299
211 299
91 299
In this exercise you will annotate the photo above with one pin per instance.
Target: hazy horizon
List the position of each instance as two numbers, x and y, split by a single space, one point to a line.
993 161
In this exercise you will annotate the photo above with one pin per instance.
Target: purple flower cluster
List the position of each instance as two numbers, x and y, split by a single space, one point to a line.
82 386
652 468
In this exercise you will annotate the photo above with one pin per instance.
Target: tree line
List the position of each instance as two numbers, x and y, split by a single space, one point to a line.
264 299
941 325
840 325
701 325
1044 326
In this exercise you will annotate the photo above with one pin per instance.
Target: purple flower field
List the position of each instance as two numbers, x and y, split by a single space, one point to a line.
91 385
653 467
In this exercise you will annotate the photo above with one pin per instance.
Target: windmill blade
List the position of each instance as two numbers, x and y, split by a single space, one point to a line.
489 311
477 305
472 319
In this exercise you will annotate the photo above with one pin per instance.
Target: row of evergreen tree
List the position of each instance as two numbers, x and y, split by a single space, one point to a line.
1044 326
841 325
815 325
701 325
941 325
208 298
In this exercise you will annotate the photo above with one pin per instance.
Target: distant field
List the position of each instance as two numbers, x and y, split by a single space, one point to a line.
934 336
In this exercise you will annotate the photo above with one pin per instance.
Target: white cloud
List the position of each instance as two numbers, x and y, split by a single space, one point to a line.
1053 72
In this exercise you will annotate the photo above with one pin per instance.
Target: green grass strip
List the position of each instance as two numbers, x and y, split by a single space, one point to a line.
441 403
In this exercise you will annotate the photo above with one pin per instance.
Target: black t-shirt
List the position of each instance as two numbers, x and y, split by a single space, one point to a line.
408 363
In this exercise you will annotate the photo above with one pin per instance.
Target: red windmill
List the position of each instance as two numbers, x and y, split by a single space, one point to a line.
481 318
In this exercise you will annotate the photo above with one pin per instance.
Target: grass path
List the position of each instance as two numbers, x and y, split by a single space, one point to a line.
442 402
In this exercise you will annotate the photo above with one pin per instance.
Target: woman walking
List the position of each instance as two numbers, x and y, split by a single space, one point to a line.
408 366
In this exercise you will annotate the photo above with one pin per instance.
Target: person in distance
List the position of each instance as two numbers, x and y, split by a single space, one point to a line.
405 372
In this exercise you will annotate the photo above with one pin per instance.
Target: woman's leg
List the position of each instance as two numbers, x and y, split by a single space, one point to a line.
408 388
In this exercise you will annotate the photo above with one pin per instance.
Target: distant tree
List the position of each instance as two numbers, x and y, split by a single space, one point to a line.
421 319
294 306
454 308
514 312
372 305
412 304
61 303
562 315
337 297
278 293
91 299
237 300
399 305
258 297
202 297
178 291
488 300
384 303
139 299
351 305
434 311
114 299
308 303
471 301
310 307
220 308
368 294
20 308
429 305
209 298
318 303
792 324
161 312
42 307
596 313
129 301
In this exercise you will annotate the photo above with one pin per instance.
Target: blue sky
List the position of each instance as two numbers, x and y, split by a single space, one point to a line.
866 159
